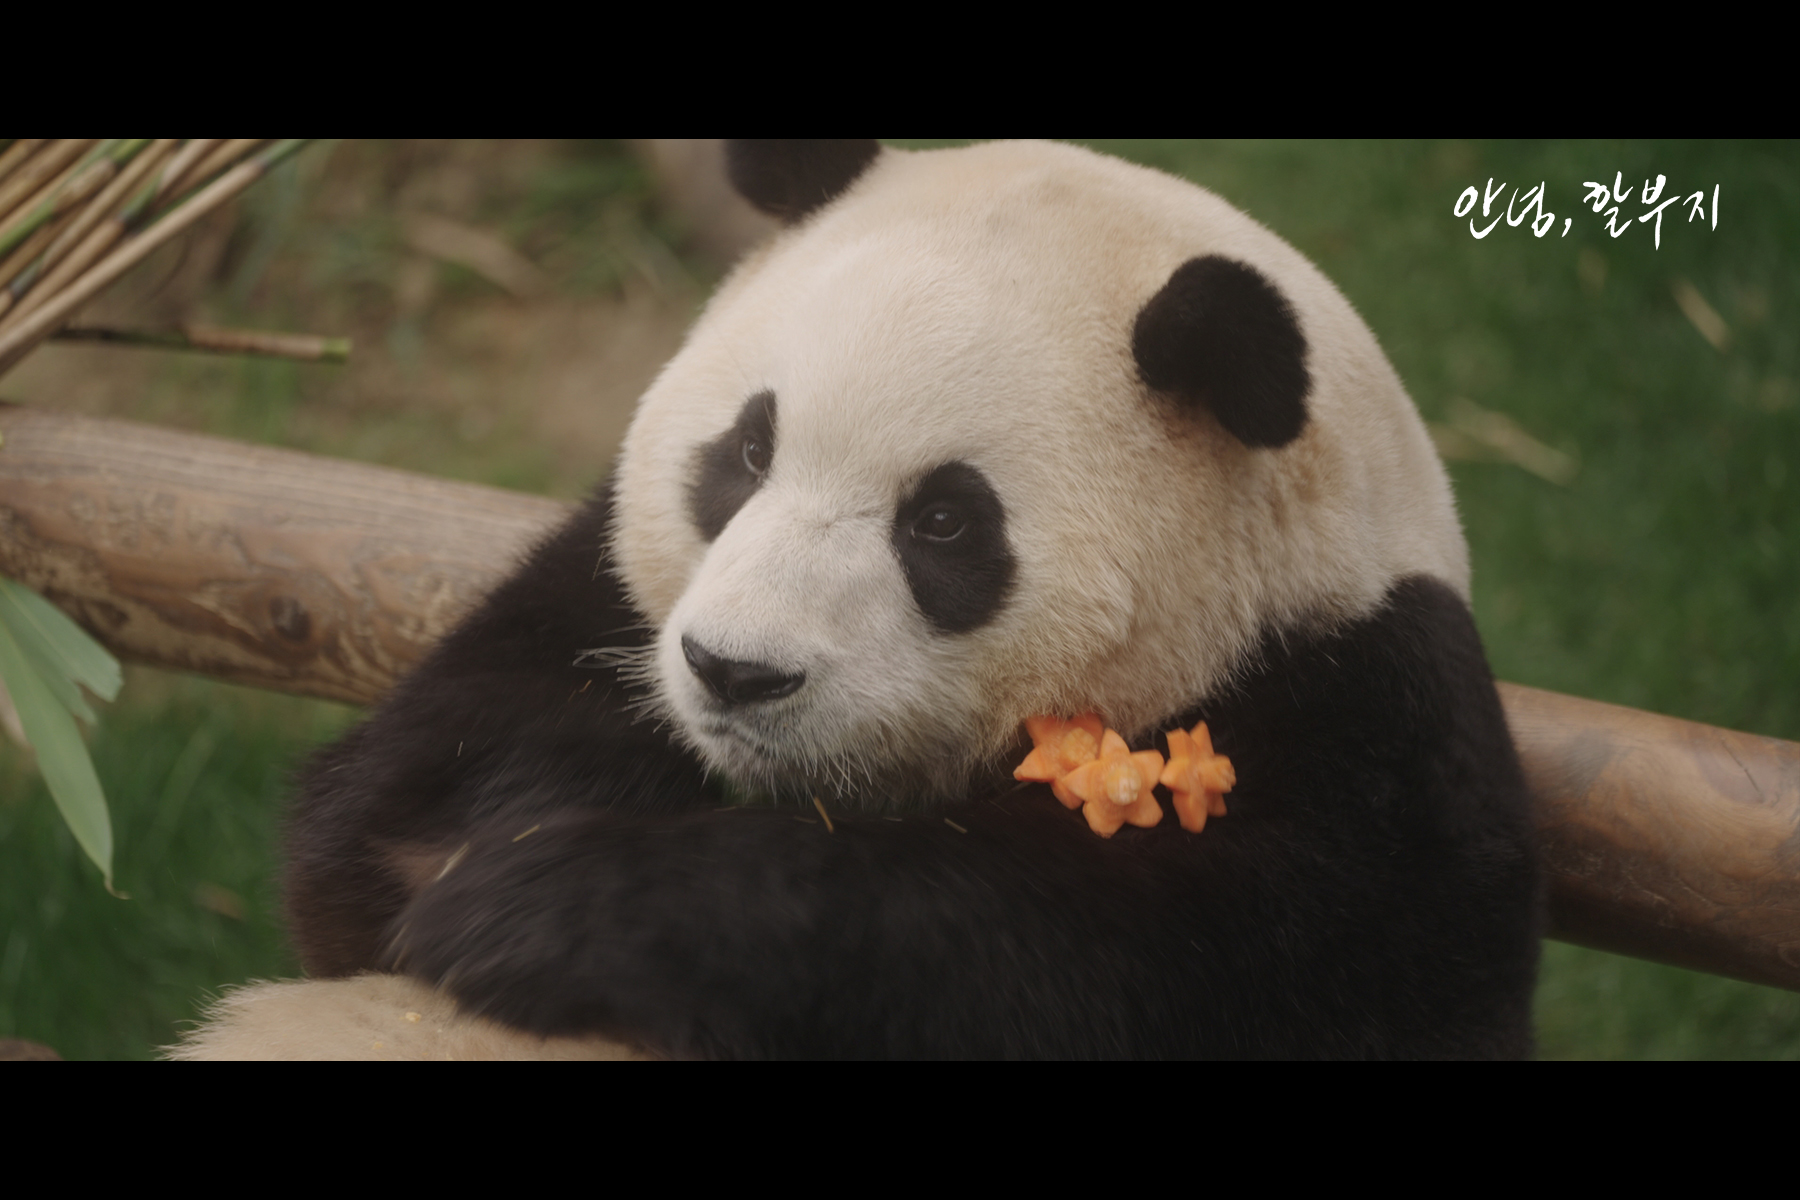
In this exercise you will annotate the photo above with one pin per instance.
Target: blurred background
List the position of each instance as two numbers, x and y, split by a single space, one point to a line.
1622 422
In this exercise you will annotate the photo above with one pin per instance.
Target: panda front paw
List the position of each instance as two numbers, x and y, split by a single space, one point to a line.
523 927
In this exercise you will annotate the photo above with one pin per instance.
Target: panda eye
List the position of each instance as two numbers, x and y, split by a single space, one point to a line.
756 456
940 523
950 537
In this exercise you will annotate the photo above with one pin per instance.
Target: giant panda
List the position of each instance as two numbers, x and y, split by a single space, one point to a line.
983 434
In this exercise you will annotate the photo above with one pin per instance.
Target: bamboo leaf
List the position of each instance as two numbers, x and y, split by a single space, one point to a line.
62 757
57 680
47 633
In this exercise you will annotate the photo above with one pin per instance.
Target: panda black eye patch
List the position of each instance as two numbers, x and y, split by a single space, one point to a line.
729 469
950 534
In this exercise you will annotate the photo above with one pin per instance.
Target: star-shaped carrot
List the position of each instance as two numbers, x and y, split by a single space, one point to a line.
1059 747
1115 789
1197 777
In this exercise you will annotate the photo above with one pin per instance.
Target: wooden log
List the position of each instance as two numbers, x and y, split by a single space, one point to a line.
249 563
1663 838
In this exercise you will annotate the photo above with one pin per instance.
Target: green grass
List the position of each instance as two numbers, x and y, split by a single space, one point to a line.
1594 1005
1664 576
195 772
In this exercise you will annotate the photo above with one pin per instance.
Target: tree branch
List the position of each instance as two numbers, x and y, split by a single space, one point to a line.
1662 838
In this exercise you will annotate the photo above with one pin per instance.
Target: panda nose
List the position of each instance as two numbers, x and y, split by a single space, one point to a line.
738 682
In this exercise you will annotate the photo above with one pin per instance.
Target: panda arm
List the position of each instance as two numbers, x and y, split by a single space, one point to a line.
497 724
1371 894
750 933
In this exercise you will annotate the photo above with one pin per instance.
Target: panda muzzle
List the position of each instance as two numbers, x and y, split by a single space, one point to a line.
737 683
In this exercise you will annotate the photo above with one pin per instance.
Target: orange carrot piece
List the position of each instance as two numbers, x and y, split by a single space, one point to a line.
1060 747
1115 789
1197 777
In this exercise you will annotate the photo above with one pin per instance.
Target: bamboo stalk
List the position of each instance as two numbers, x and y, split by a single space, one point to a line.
18 338
172 186
54 156
88 252
17 153
20 260
184 158
306 347
84 254
95 170
24 290
33 204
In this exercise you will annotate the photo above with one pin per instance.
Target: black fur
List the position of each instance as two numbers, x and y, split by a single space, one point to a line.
1220 336
507 718
790 177
729 469
950 534
1372 893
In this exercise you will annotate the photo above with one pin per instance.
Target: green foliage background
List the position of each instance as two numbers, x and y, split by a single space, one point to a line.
1664 576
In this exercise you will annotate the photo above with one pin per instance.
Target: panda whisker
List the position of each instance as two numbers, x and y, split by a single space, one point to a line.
621 658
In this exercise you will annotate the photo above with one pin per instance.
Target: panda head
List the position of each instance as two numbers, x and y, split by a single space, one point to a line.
1000 431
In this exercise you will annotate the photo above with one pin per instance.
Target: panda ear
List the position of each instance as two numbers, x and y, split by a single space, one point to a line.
1220 335
789 178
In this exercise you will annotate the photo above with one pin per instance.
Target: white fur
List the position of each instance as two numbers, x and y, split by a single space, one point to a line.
977 304
368 1018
